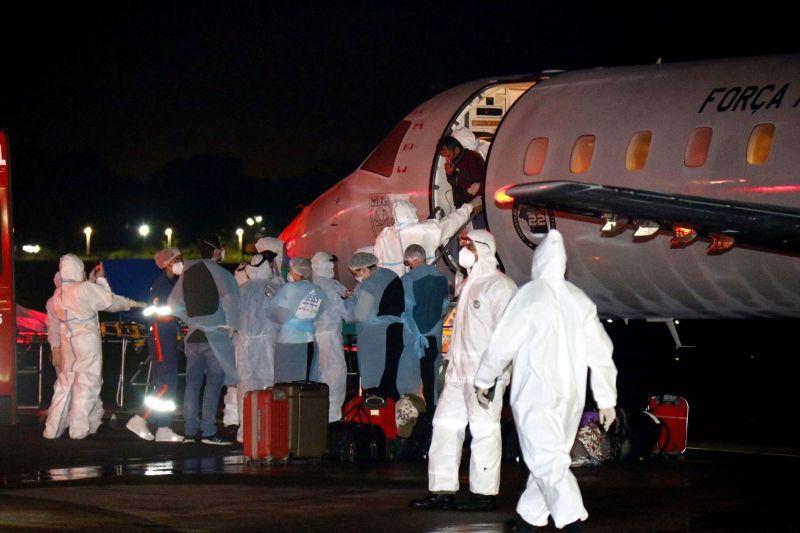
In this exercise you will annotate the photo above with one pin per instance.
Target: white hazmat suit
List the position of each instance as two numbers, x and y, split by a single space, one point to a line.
330 343
275 245
54 327
76 399
257 335
407 229
470 142
552 334
484 297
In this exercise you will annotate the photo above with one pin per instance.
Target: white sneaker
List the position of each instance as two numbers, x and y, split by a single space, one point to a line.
138 426
167 435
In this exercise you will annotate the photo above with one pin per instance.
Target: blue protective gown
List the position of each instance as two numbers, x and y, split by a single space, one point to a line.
296 307
217 326
427 298
377 308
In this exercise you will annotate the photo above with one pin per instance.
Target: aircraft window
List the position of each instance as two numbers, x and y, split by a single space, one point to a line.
582 154
697 149
638 150
381 161
760 144
535 156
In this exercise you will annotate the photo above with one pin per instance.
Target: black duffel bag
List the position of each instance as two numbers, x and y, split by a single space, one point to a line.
350 442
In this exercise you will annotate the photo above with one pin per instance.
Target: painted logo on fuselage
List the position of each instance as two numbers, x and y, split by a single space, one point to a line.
532 223
380 212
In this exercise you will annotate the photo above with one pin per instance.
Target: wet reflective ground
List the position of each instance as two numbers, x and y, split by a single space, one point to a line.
116 482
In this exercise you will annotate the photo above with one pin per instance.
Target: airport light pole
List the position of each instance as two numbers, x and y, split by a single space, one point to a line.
88 232
240 234
168 233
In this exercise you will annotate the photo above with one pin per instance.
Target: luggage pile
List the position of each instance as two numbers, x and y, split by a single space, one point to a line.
288 420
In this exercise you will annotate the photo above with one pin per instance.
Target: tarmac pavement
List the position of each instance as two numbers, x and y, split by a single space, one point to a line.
116 482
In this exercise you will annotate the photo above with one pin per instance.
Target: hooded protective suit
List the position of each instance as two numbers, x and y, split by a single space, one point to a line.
483 299
407 230
330 344
76 400
255 343
551 332
275 245
295 308
470 142
54 327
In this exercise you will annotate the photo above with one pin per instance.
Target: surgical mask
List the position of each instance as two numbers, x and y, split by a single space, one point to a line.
221 255
466 258
177 268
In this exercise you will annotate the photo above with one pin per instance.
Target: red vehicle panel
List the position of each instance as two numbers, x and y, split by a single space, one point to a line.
7 319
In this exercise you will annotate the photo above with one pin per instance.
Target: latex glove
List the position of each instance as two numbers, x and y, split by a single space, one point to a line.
134 303
474 188
607 417
477 205
55 356
231 332
483 397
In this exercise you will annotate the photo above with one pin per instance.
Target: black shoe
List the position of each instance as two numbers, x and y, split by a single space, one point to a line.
229 432
435 502
518 525
574 527
478 503
217 440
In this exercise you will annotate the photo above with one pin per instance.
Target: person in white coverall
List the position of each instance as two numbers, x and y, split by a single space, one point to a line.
255 341
54 327
470 142
552 334
407 230
231 415
76 399
330 343
483 299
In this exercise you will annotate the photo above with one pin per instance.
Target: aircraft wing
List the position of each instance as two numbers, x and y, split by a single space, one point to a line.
765 226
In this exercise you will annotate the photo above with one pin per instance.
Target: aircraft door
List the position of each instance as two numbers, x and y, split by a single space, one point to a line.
474 126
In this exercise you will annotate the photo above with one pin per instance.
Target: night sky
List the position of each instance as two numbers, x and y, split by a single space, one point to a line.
196 117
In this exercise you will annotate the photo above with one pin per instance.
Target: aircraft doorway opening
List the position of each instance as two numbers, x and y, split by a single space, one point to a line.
474 126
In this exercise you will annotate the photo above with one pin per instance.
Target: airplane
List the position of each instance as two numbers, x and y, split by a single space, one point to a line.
634 165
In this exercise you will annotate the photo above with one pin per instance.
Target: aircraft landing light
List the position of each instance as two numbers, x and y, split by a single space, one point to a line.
502 197
614 225
647 228
683 237
610 225
720 244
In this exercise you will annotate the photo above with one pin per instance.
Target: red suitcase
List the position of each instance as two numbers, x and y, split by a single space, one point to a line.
673 411
266 425
383 417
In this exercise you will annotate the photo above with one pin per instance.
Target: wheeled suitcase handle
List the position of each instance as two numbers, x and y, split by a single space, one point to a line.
306 385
